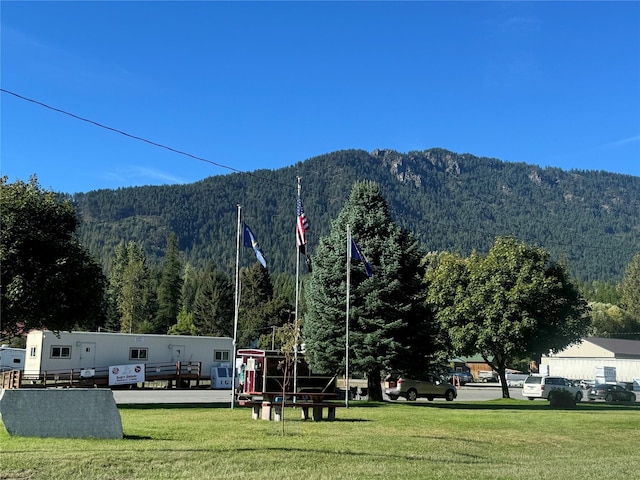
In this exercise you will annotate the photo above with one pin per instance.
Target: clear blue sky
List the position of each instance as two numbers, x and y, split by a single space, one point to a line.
265 85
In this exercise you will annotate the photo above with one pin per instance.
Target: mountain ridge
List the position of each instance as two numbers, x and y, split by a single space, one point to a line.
455 202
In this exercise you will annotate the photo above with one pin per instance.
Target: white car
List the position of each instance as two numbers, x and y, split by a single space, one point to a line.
538 386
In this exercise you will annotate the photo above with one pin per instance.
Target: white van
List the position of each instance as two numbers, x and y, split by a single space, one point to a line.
537 386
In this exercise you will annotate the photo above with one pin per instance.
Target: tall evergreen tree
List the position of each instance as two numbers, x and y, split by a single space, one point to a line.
214 304
133 289
388 320
169 290
255 292
189 288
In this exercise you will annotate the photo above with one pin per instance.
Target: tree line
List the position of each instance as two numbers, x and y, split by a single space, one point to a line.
418 308
452 202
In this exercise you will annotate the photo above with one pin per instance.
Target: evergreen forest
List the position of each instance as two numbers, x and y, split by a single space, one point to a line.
451 202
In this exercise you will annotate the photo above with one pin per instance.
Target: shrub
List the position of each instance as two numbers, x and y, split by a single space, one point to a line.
561 398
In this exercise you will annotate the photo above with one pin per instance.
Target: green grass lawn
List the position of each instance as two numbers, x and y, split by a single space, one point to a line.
501 439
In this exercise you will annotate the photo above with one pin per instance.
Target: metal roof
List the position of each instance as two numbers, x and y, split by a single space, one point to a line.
619 347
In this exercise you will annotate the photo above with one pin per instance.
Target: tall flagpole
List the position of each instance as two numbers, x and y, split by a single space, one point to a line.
346 336
237 304
295 353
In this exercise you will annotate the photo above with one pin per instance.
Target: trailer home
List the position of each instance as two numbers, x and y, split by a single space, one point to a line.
93 352
11 358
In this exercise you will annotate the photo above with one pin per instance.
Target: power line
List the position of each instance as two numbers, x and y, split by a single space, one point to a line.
135 137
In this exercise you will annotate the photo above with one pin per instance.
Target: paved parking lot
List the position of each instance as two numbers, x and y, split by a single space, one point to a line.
468 392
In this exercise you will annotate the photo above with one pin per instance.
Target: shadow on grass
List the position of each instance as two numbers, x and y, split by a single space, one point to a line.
524 405
171 406
500 404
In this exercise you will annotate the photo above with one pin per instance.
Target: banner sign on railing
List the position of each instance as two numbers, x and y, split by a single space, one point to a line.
126 374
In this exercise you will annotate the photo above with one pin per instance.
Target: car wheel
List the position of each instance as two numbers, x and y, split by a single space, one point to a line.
608 398
449 396
412 395
578 396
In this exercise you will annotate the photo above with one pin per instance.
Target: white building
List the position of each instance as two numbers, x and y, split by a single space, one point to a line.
47 351
579 362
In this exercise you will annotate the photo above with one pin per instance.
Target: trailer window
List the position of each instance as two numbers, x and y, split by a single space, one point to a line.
221 355
60 351
138 353
33 351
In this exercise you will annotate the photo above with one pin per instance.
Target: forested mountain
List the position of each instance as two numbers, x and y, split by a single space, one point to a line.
454 202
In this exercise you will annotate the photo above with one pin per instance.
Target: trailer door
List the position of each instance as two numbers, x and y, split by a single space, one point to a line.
178 353
87 355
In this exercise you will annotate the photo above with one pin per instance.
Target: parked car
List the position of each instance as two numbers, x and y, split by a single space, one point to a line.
538 386
462 377
487 376
610 393
429 386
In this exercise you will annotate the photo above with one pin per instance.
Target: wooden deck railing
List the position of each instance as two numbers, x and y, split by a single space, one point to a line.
182 373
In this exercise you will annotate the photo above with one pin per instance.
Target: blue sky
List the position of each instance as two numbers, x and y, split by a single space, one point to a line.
265 85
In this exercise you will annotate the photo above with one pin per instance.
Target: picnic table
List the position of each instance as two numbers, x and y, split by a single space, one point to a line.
272 403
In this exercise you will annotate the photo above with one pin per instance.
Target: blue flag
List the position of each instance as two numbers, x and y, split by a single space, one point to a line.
358 255
250 241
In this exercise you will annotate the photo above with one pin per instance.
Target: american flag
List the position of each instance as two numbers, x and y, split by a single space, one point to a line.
302 225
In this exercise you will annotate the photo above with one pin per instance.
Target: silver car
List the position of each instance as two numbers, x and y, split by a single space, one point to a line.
429 386
538 386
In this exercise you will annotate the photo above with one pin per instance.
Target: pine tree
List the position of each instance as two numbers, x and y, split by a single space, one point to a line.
133 289
213 307
255 292
388 321
169 290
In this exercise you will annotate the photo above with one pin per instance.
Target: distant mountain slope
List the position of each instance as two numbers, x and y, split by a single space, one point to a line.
452 202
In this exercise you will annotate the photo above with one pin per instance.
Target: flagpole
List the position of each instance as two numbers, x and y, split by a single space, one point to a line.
295 353
346 336
237 304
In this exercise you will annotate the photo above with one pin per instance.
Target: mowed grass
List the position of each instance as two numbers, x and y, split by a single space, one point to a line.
501 439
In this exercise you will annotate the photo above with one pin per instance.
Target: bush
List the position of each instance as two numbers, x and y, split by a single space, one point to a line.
561 398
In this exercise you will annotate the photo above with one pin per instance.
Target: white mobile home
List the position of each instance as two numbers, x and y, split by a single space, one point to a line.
47 351
11 358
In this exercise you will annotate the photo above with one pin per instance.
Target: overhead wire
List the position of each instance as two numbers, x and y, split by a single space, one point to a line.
134 137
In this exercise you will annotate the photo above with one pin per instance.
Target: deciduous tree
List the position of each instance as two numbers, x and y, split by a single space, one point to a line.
48 279
515 302
630 288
